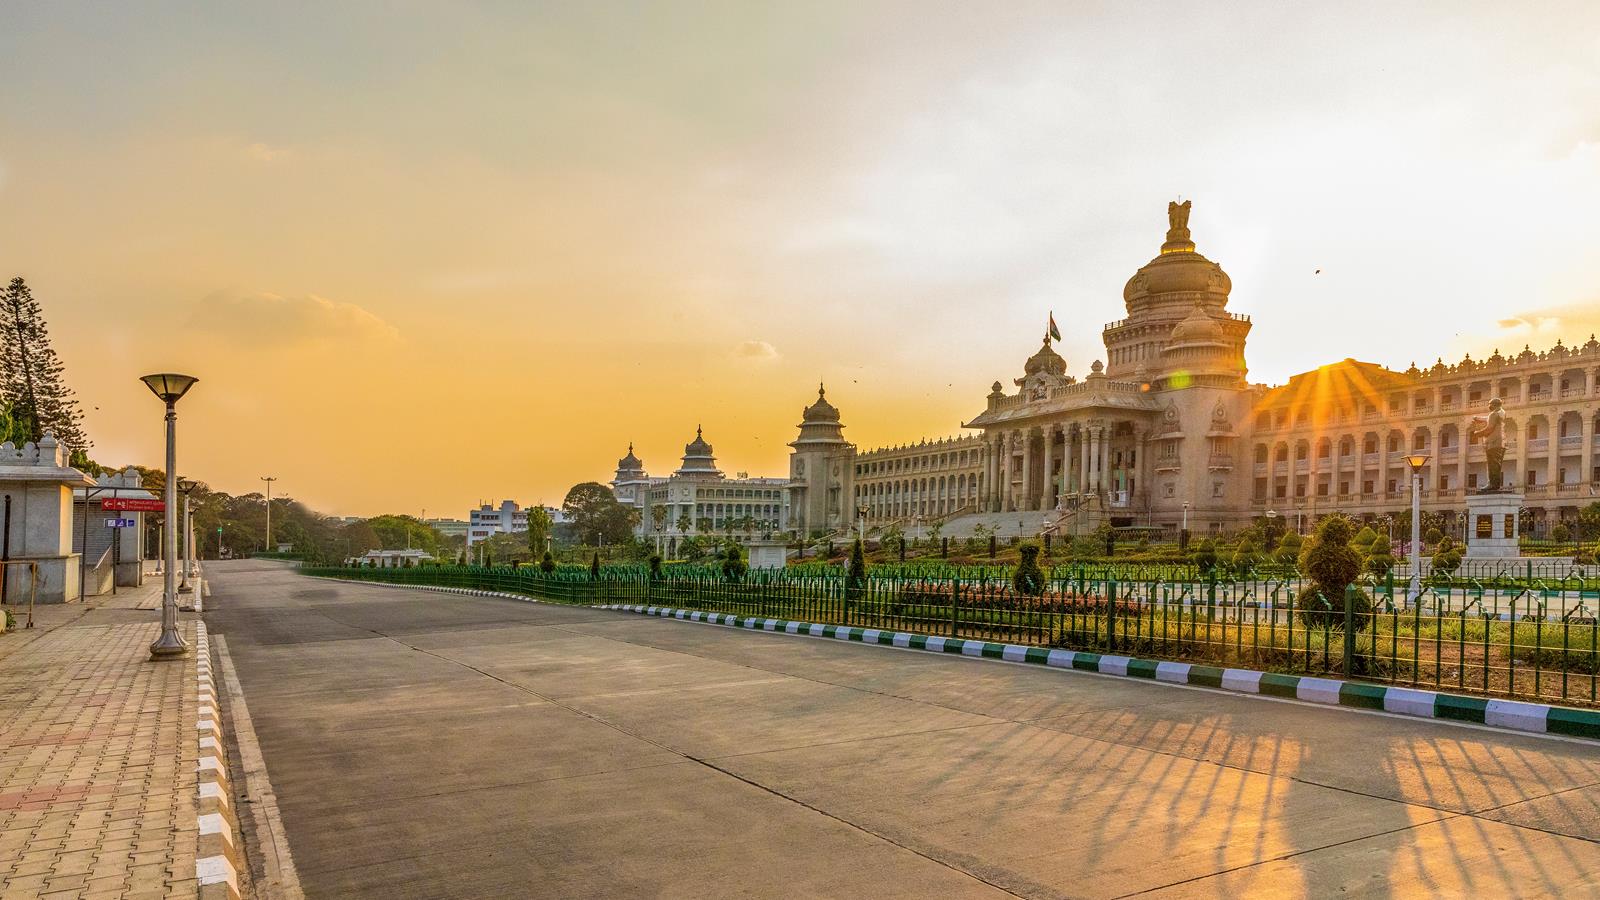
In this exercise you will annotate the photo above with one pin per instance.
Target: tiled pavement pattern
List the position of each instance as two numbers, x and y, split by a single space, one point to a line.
98 757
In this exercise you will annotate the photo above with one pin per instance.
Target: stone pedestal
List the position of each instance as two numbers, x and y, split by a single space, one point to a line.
767 554
1493 525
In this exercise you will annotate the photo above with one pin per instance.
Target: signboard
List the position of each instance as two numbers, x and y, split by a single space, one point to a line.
121 523
133 504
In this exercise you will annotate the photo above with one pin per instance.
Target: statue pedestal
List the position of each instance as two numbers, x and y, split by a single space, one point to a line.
1493 525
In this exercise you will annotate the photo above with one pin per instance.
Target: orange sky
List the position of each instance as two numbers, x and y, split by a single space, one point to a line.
428 257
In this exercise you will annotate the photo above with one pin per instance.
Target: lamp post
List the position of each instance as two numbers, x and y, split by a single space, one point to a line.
185 485
861 513
169 388
267 547
1272 523
1416 461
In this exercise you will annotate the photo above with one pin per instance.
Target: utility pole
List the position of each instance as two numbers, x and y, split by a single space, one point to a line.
267 548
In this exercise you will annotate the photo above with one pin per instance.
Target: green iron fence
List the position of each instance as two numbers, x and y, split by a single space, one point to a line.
1536 642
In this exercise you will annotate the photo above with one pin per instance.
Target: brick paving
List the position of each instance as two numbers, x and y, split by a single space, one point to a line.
98 782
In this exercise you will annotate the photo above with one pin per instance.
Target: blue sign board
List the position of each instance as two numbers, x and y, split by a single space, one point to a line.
121 523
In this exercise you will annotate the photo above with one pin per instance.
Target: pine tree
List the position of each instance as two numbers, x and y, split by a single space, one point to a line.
32 384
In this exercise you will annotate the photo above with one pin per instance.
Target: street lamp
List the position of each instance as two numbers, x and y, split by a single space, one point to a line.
1416 461
185 485
267 547
1272 523
861 512
169 388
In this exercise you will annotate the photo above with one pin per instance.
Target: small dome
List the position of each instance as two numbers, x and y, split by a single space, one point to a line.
698 446
822 410
630 461
1046 360
1196 328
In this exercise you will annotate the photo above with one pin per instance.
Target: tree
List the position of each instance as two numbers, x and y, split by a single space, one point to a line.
733 564
597 515
32 385
539 524
855 584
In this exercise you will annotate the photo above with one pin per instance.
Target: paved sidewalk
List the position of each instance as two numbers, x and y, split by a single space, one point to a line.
98 762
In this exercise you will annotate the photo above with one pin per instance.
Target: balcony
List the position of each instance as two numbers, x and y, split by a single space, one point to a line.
1569 393
1477 404
1220 461
1572 442
1538 445
1449 406
1369 459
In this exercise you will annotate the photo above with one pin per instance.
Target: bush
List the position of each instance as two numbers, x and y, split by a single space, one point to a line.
1433 537
1320 610
655 565
733 564
547 563
1288 552
1028 579
1380 562
594 567
1561 533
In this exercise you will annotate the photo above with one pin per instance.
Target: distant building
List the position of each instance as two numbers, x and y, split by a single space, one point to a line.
508 518
390 559
448 527
698 498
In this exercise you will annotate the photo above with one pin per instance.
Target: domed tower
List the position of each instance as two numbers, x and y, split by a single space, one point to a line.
1043 371
698 458
631 484
821 471
1165 293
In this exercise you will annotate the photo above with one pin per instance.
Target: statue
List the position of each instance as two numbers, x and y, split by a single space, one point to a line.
1178 215
1492 430
1178 227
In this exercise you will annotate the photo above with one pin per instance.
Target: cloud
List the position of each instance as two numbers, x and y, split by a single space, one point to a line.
756 350
262 153
260 318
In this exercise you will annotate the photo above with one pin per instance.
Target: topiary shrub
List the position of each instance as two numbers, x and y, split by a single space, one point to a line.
1561 533
1433 536
1028 579
547 563
1288 552
1330 565
1205 558
594 567
655 566
1380 563
855 585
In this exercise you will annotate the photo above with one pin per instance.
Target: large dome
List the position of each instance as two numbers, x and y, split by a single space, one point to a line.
822 410
1179 275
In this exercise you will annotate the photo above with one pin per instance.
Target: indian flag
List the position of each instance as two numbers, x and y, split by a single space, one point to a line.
1055 333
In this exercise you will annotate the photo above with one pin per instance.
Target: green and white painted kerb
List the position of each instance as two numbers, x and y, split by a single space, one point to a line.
1513 714
1517 715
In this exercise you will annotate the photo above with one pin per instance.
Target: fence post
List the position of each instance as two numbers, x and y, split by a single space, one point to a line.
955 607
1349 628
1111 616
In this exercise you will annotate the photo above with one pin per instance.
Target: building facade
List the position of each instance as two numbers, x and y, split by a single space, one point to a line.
698 498
1169 433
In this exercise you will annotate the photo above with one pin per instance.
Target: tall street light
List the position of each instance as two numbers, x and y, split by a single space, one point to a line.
185 485
267 547
1416 461
170 388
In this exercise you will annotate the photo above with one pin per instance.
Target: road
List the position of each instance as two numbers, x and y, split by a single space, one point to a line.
434 745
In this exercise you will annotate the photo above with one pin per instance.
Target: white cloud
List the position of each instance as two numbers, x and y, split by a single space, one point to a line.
262 318
756 350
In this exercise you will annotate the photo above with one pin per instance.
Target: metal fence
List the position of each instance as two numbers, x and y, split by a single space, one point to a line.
1534 641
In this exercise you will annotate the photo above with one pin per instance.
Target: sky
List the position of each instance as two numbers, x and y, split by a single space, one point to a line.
422 255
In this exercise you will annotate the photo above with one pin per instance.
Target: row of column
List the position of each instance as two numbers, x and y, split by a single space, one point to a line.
1085 462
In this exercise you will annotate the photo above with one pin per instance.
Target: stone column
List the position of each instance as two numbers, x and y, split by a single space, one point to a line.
1084 458
1094 458
1462 448
1046 495
1552 464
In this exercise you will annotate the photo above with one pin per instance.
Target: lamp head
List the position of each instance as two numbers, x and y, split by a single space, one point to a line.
1416 461
169 386
186 484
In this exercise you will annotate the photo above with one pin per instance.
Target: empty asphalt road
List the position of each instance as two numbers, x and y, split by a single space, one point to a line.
424 744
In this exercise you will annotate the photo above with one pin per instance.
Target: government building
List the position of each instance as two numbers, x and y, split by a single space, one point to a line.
1168 432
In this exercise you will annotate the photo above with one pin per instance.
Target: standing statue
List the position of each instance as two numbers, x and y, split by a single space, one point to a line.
1492 430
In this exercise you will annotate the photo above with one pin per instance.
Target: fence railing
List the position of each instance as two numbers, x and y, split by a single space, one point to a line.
1538 643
